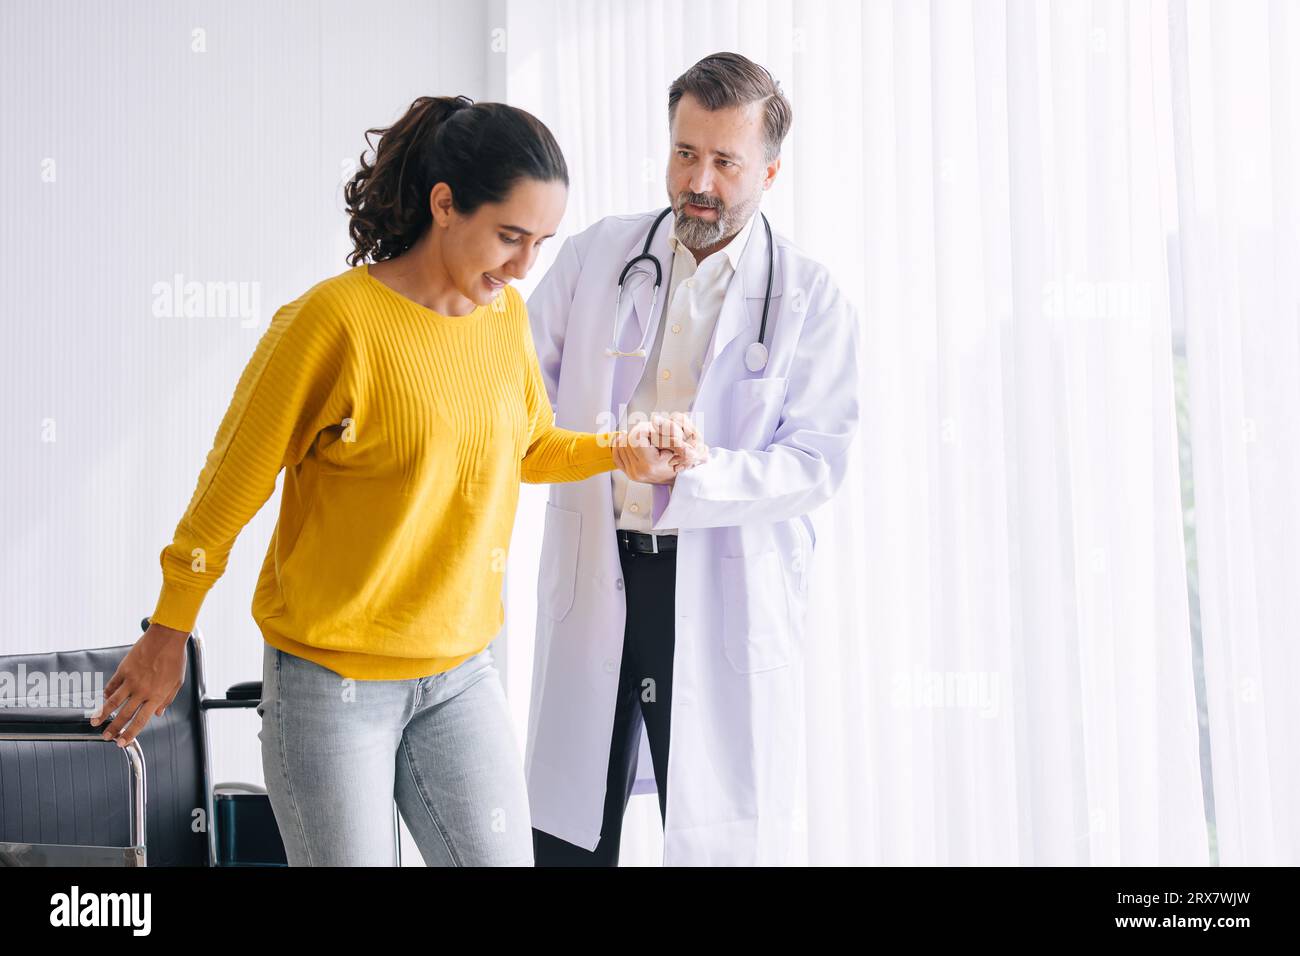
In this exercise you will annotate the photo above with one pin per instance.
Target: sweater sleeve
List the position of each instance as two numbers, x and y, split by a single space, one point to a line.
291 389
557 454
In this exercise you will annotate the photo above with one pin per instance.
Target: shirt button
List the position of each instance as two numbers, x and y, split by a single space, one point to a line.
690 283
618 583
666 375
676 327
634 508
610 667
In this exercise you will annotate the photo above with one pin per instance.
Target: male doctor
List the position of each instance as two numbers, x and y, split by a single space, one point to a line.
677 600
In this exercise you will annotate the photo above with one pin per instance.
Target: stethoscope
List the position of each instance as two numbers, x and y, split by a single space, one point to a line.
755 355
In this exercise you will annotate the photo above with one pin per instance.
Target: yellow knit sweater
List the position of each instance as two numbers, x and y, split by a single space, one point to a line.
403 434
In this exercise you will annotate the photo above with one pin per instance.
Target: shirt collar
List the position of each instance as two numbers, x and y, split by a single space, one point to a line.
734 249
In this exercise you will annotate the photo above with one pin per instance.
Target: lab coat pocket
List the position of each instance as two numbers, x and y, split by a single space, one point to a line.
560 540
756 405
755 626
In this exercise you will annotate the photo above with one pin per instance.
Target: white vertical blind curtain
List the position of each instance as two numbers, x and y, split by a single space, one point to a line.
1236 107
999 661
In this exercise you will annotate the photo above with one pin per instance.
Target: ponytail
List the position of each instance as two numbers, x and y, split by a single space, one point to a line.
480 150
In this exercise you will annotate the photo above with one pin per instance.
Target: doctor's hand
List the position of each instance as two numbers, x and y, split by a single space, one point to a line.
678 434
655 451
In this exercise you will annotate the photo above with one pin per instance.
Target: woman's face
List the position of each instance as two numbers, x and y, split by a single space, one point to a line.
498 243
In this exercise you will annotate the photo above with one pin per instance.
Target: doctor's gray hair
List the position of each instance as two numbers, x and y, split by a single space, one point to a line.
724 80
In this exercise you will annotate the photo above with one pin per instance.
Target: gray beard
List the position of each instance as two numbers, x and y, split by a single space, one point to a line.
702 234
699 233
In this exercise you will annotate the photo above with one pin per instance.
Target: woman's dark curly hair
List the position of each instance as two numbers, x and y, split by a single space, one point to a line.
480 150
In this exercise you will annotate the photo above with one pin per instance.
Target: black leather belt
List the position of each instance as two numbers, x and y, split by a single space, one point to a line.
634 542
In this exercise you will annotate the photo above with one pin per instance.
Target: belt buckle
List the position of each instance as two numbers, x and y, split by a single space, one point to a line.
654 543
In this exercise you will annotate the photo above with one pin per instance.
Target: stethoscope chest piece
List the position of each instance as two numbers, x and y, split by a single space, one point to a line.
756 357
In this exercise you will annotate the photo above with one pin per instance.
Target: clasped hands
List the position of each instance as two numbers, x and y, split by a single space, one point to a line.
656 450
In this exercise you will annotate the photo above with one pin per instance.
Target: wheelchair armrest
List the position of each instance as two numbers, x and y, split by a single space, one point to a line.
247 690
243 695
46 720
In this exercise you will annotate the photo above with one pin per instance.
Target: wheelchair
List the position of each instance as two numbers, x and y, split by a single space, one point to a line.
68 797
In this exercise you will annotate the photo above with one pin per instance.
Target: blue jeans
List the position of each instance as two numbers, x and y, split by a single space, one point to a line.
337 752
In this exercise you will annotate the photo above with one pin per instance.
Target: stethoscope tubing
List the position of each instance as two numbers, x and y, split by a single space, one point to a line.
758 349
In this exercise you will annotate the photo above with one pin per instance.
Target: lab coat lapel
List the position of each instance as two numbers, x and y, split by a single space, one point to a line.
742 306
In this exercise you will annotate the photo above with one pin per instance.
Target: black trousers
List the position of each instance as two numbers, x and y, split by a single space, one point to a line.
645 688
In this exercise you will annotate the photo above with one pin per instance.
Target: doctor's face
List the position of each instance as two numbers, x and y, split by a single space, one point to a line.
716 171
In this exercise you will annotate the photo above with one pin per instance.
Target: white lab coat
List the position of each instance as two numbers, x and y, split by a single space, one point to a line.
779 443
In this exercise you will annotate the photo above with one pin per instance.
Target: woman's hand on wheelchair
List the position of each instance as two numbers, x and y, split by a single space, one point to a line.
144 684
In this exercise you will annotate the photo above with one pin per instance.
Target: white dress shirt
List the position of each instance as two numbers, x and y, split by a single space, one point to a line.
672 369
